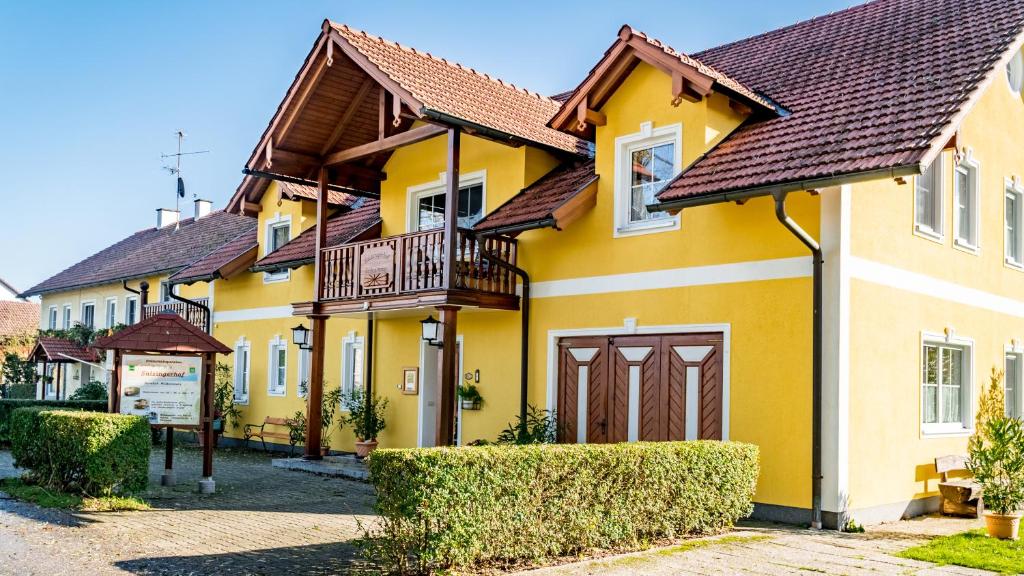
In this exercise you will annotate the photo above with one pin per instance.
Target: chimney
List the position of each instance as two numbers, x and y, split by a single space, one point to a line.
166 217
202 207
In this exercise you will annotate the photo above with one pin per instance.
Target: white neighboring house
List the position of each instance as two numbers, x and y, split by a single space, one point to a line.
7 292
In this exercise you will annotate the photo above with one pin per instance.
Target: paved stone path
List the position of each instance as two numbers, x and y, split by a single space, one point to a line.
270 521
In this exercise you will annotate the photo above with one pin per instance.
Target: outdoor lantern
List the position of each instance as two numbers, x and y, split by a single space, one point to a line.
300 336
430 331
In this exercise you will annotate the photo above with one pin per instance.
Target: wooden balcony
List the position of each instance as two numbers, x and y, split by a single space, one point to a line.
193 314
409 271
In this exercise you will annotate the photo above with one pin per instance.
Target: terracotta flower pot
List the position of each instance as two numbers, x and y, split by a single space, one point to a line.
1003 526
325 450
363 449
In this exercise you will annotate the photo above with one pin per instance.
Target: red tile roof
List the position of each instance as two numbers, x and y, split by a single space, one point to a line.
450 88
869 88
340 229
208 267
54 349
165 332
151 251
334 198
538 202
17 317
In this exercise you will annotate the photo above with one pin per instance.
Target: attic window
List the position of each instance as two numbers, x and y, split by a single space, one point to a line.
1015 73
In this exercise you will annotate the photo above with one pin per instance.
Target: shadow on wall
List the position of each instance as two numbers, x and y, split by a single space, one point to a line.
317 559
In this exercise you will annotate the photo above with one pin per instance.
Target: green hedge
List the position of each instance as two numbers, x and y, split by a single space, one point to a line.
458 507
92 453
9 405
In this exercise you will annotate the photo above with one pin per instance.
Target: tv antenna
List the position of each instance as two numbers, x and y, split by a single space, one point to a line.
176 169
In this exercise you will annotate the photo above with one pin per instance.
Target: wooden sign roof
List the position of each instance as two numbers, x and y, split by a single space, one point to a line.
165 332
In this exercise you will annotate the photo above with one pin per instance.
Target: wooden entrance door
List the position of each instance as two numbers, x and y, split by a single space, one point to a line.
640 388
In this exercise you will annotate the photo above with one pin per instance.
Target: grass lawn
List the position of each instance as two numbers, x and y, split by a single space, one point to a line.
40 496
974 549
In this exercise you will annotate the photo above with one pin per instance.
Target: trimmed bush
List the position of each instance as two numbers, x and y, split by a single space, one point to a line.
9 405
458 507
91 453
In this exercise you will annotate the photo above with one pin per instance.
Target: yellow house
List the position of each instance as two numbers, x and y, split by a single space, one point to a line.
810 240
103 291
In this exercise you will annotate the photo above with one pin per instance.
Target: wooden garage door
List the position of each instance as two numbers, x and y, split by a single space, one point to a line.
650 388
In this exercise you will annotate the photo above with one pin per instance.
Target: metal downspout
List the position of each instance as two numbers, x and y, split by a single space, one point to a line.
524 357
815 248
370 320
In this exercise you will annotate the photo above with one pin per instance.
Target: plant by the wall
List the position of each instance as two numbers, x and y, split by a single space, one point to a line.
92 390
539 427
365 414
992 403
997 462
224 396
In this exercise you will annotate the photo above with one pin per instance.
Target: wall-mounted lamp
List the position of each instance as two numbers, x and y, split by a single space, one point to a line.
300 337
431 332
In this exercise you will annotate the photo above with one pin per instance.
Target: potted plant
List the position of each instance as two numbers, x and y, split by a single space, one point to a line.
470 396
329 406
224 408
997 462
366 415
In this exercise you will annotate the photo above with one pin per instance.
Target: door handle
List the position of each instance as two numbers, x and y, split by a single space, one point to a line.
604 425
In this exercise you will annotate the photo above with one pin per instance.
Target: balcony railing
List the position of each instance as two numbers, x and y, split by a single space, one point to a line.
414 263
193 314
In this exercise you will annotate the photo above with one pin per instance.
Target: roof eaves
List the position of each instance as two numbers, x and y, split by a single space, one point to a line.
35 292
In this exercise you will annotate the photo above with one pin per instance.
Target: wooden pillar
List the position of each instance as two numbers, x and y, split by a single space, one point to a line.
448 376
321 231
42 381
315 389
56 381
451 208
207 417
114 400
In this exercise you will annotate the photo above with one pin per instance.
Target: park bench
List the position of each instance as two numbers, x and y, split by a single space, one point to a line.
260 431
960 496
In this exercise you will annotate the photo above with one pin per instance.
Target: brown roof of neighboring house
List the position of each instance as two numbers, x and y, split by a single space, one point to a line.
539 202
54 349
345 227
292 191
459 91
151 251
877 87
164 332
18 317
216 264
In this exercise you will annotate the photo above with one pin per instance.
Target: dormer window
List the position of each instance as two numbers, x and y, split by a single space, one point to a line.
644 163
278 233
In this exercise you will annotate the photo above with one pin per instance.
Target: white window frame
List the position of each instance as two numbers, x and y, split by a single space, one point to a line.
966 426
242 372
268 227
51 318
1016 61
1016 351
939 190
128 300
1013 186
81 313
972 168
625 145
350 343
66 317
303 368
413 194
110 320
275 387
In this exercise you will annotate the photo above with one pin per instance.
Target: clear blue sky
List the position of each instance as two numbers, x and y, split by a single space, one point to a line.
91 93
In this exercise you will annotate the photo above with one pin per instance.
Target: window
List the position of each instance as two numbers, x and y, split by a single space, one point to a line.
89 315
165 289
351 364
278 368
66 320
131 310
965 203
305 362
278 234
430 208
644 163
1012 382
1015 73
945 387
111 312
51 318
241 375
1012 214
928 200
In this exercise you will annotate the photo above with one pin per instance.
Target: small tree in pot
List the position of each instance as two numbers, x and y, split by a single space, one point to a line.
366 415
997 462
224 408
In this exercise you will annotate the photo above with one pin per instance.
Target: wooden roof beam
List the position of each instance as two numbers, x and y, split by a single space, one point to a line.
385 144
348 114
584 116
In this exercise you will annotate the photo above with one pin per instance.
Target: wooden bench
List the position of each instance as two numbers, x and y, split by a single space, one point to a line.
260 431
960 496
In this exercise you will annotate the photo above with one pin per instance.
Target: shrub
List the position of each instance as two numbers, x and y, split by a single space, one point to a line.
91 453
458 507
997 462
92 390
9 405
539 427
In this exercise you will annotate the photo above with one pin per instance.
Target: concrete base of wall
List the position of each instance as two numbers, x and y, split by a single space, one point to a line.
834 520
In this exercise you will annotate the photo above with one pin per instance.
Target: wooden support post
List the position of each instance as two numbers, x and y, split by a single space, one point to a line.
42 381
114 402
206 484
56 381
448 376
315 389
321 232
168 477
451 208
